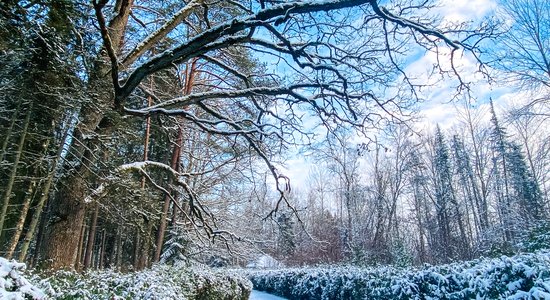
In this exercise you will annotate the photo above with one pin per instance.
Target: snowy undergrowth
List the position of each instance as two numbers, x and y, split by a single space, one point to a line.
160 282
13 285
524 276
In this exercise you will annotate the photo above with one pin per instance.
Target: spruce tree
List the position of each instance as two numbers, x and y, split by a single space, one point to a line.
518 193
449 212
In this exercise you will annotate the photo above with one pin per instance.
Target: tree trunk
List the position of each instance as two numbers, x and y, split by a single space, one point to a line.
137 247
11 180
9 130
61 240
68 209
79 256
21 222
145 246
41 202
101 264
174 164
119 249
91 239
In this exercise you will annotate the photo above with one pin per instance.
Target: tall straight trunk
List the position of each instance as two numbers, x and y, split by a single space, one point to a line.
79 256
174 163
39 241
41 202
9 130
465 248
418 215
21 222
67 208
480 192
29 196
102 250
142 243
91 239
471 205
145 246
119 249
112 250
137 247
13 173
162 227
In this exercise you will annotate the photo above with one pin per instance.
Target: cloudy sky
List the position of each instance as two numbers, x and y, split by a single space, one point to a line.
439 107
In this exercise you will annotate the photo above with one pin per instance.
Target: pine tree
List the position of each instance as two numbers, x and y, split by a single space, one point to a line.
526 189
448 210
421 210
287 244
469 184
498 139
518 193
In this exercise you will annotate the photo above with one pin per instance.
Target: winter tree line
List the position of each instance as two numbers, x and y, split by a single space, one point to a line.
478 189
136 132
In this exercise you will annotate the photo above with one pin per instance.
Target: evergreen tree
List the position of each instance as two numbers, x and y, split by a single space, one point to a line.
498 139
447 207
469 185
518 193
286 242
525 187
442 195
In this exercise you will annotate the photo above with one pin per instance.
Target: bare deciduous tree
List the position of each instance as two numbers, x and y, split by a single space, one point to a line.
523 51
344 61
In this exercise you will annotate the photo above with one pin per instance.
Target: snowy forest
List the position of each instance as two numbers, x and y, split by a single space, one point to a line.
390 138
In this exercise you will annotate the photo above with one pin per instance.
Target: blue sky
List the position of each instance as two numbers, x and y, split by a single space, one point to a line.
438 107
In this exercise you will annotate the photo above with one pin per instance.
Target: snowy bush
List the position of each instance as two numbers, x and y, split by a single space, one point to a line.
160 282
13 286
525 276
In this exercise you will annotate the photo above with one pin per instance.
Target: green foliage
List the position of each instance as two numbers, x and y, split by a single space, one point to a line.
160 282
177 246
537 238
287 244
525 276
401 255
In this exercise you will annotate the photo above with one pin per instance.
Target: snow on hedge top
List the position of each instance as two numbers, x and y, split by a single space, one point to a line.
13 285
159 282
525 276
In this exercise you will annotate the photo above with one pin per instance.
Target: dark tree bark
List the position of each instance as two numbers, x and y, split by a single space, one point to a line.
91 239
68 207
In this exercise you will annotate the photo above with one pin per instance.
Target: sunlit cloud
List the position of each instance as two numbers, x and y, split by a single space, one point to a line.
465 10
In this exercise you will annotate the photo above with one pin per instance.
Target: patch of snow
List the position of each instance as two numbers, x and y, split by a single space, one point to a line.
257 295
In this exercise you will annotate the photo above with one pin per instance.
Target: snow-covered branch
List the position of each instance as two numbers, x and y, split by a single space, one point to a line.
160 33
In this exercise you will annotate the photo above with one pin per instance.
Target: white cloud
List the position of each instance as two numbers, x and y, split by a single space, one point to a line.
465 10
438 107
297 171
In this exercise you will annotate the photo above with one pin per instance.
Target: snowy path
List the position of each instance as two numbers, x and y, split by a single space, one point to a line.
257 295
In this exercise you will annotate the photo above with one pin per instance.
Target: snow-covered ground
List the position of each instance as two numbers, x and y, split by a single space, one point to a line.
257 295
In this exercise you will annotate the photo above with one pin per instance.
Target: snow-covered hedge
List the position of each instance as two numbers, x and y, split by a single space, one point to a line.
160 282
525 276
14 286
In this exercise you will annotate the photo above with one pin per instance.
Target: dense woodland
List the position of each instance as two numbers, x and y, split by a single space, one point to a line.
135 132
